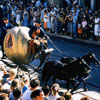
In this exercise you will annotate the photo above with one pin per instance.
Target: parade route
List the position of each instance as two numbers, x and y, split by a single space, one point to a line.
93 92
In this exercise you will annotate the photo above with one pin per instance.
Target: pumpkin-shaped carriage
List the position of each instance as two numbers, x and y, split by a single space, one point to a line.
18 49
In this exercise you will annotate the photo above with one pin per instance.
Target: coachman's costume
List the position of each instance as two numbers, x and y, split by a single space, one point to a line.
38 42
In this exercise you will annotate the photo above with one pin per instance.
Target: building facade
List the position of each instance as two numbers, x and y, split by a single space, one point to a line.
92 4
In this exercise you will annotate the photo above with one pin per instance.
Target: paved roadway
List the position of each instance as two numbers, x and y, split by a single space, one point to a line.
77 48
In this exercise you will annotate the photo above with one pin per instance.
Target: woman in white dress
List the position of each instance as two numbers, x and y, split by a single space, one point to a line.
45 20
49 22
96 21
18 16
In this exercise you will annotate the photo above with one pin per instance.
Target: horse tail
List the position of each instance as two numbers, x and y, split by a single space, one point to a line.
44 72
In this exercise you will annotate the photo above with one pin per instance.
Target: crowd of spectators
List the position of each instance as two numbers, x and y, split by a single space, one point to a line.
70 19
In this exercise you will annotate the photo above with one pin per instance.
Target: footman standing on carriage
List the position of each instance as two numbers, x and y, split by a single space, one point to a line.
38 41
5 26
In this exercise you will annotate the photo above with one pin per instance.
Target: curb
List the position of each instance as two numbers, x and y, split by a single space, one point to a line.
75 39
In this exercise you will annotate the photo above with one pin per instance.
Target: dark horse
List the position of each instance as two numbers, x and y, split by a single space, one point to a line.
89 58
77 67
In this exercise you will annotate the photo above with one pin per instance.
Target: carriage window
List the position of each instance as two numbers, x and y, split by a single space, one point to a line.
9 42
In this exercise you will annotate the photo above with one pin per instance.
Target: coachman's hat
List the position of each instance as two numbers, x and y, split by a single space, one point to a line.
5 19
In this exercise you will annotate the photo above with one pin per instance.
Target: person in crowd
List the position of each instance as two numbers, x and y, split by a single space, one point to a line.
84 29
38 36
9 12
55 92
90 27
56 21
14 84
25 83
49 22
34 84
37 95
45 20
3 96
25 18
5 9
99 32
69 19
38 3
46 91
74 25
96 22
79 30
8 77
13 15
5 26
6 91
52 14
63 25
67 95
18 16
60 23
1 14
30 16
16 94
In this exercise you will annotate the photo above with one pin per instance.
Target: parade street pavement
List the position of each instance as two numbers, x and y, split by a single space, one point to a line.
93 93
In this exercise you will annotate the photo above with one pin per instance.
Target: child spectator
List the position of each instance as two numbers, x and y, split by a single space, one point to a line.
79 31
55 91
16 94
84 28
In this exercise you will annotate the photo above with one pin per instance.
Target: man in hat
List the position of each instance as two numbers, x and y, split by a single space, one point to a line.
5 26
38 36
36 31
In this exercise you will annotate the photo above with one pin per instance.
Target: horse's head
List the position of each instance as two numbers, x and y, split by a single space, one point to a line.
83 66
77 66
91 58
66 60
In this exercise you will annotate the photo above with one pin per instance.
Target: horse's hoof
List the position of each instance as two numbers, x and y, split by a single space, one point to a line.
86 89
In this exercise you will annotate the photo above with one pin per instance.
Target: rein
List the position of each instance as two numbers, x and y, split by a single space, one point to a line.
55 46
